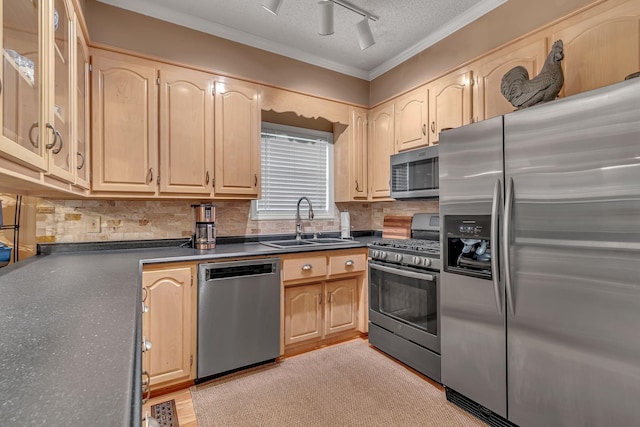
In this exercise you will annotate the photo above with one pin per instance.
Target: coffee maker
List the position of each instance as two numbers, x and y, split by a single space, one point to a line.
204 236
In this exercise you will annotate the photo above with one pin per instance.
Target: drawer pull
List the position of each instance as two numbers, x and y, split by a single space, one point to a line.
349 263
307 267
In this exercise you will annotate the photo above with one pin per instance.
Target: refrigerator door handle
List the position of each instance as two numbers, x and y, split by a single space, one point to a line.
506 242
495 271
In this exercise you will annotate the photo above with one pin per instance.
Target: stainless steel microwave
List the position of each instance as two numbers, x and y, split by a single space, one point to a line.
415 174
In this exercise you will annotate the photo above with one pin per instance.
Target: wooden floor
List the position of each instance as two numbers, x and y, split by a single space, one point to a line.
184 406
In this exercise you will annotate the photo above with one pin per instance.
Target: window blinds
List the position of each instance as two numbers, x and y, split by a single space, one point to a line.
295 163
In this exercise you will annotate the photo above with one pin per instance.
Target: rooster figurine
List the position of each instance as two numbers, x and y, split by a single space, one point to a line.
522 92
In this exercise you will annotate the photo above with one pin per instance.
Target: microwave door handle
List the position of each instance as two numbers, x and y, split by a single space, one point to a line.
497 190
403 273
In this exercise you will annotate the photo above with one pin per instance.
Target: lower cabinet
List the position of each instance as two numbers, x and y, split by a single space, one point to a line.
324 298
318 310
169 324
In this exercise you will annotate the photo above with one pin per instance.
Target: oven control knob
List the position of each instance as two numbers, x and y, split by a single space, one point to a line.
426 262
416 260
398 257
383 255
374 254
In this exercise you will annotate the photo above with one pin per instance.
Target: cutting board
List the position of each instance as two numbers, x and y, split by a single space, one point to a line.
396 227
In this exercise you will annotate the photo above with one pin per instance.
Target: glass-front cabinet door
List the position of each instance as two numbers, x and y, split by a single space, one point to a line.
82 110
21 78
60 113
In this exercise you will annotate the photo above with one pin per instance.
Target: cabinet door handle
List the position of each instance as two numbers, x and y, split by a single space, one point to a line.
145 292
433 127
357 186
33 142
150 175
145 308
206 178
146 386
349 263
320 298
55 136
81 158
328 297
59 137
307 267
424 129
255 180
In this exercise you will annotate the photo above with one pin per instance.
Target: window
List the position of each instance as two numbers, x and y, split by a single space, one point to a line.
296 162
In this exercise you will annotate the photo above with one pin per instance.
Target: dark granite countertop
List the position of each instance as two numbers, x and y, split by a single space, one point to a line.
70 325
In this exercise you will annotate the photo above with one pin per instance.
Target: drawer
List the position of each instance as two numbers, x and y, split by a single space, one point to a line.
347 264
304 268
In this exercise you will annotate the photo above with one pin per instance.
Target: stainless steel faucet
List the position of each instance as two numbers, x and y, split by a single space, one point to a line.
299 220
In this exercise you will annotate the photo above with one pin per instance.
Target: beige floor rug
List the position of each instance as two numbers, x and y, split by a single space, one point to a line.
349 384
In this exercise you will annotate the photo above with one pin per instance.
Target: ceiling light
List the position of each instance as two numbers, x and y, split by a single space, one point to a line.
365 36
325 18
272 6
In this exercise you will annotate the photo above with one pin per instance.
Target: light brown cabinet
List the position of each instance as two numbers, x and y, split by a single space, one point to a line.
359 148
209 142
489 101
601 45
380 148
411 118
169 324
324 298
125 124
39 108
237 139
186 131
449 103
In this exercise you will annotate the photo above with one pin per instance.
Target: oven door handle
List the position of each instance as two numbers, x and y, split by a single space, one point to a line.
404 273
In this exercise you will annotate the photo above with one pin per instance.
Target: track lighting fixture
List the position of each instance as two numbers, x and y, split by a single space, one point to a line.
272 6
365 36
325 17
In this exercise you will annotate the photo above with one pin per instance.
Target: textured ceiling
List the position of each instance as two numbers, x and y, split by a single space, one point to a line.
404 28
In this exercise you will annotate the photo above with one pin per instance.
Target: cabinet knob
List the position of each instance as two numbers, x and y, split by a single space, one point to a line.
145 308
424 129
146 345
146 386
307 267
349 263
433 127
320 298
255 180
150 175
206 178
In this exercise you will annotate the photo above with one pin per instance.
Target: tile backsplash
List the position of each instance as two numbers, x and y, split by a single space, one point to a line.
104 220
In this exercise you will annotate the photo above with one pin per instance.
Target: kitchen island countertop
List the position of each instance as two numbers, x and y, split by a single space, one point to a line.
70 326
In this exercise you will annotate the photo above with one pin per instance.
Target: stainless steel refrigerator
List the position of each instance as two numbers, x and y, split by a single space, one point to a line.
540 283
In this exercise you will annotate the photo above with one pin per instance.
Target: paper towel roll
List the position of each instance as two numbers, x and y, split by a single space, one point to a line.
345 225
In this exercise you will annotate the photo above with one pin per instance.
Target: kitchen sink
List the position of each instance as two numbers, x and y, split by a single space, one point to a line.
305 242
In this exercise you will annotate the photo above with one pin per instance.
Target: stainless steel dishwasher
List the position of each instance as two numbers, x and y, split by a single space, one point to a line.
238 315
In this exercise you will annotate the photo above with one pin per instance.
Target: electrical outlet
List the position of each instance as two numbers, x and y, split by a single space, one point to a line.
93 223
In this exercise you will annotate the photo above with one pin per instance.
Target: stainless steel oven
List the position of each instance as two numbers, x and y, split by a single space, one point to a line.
404 299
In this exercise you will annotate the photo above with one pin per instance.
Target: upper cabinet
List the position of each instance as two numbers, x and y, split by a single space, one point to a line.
358 154
601 46
39 109
489 101
411 118
237 139
209 131
125 124
380 148
186 131
82 127
449 103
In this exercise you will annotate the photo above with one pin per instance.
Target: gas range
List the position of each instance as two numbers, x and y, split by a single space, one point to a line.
421 251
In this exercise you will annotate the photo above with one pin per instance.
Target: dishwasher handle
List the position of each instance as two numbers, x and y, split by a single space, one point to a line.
235 269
